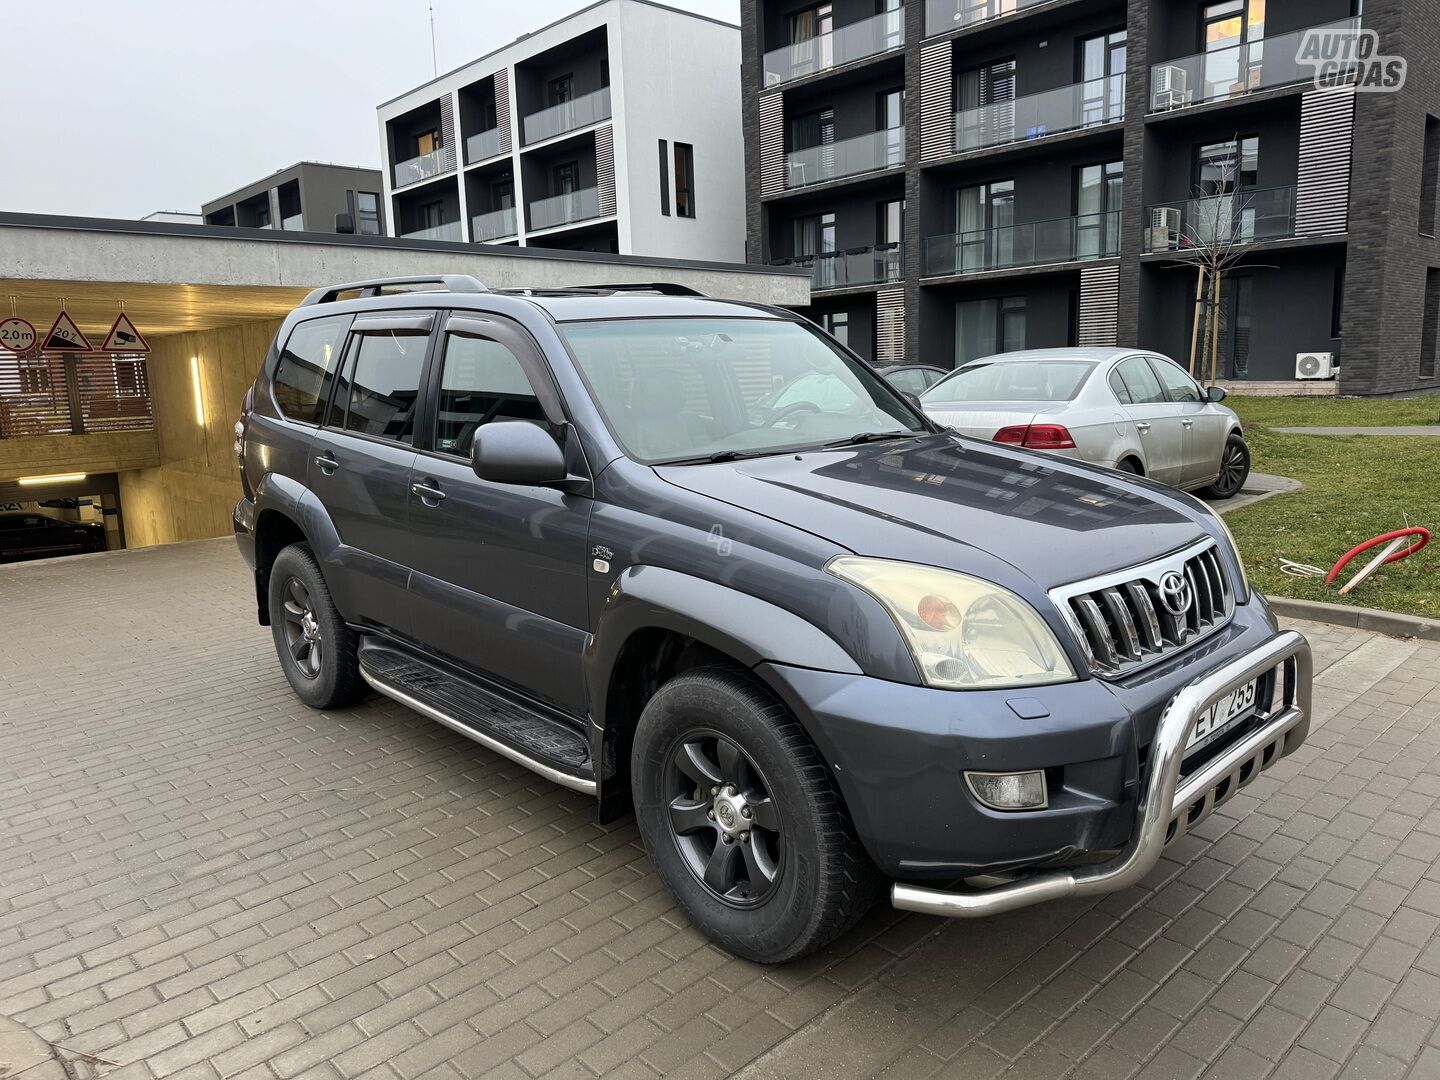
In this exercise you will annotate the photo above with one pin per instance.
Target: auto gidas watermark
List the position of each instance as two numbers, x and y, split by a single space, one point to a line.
1346 58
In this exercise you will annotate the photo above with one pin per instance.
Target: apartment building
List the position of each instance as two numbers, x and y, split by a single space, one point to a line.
616 129
310 196
971 176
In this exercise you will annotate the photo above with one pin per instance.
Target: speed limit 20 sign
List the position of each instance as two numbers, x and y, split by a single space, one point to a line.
17 335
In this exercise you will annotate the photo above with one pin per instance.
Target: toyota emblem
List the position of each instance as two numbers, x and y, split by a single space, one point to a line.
1175 593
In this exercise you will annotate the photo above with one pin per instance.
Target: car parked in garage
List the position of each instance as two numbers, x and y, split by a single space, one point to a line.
29 535
1126 409
814 641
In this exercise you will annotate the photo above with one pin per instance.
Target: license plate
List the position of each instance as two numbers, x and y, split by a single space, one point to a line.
1223 715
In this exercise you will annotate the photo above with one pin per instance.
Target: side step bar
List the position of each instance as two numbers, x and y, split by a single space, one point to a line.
453 702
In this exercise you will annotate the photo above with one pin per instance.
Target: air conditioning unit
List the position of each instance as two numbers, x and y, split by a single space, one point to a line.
1314 365
1164 232
1169 88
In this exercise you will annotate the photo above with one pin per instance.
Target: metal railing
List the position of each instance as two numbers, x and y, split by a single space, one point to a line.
884 149
854 266
482 145
943 15
423 167
563 209
1033 116
843 45
450 230
80 394
567 116
1246 216
1034 243
1241 69
493 225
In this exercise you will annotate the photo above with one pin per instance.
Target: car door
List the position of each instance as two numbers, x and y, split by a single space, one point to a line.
500 581
1156 421
360 463
1199 464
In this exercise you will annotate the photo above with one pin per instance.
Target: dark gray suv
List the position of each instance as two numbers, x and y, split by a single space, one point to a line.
695 559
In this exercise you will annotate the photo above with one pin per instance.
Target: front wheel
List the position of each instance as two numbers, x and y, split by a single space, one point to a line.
317 650
742 820
1234 469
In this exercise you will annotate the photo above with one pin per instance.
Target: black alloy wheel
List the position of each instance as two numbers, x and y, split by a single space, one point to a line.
1234 469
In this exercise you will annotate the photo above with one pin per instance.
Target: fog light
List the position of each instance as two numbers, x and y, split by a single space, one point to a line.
1009 790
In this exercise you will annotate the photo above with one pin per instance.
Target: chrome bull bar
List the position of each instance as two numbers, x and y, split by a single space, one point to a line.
1167 806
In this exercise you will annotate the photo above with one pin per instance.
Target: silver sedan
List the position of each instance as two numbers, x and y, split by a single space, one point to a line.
1126 409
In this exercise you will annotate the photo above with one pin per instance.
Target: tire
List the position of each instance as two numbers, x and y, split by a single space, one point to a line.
724 726
1127 465
318 653
1234 469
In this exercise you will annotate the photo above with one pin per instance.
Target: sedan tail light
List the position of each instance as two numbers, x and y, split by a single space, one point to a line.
1036 436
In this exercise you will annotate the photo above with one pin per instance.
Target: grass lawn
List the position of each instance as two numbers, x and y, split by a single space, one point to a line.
1355 487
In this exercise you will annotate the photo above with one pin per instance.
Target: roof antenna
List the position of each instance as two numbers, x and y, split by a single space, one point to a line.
434 66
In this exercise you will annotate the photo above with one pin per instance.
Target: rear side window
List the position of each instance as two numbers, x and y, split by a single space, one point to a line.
307 365
1180 386
1140 381
481 382
1117 384
383 386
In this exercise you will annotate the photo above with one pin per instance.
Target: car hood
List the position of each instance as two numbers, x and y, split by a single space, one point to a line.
982 419
961 504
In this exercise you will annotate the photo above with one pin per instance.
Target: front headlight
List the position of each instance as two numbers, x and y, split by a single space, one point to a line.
1244 590
964 633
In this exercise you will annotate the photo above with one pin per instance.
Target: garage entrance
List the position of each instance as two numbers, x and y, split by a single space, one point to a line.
43 517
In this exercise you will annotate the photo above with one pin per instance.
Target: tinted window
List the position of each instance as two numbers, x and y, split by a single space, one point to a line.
385 384
1117 384
1144 388
307 364
1178 385
912 381
1025 380
482 381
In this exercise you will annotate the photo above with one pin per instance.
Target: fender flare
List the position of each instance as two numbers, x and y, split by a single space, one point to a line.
292 499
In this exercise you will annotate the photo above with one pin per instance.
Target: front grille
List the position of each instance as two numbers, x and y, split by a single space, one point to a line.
1123 620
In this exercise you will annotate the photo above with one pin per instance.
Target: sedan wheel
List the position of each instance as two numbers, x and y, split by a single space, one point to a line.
1234 469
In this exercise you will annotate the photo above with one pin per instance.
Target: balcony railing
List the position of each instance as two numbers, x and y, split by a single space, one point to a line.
494 225
423 167
482 145
109 392
563 209
884 149
1035 243
1050 112
1246 216
943 15
1240 69
293 223
877 34
449 231
567 116
855 266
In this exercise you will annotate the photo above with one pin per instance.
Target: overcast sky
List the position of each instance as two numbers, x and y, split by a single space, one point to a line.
118 109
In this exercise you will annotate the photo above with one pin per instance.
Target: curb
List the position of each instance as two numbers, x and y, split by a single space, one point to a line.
1361 618
22 1051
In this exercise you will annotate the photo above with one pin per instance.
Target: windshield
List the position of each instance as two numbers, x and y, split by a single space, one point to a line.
690 389
1020 380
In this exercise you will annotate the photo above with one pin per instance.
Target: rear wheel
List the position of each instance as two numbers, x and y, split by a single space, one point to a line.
1234 469
1128 465
317 650
742 820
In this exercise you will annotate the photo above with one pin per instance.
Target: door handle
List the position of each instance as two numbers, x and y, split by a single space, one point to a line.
326 463
430 494
1141 426
1187 423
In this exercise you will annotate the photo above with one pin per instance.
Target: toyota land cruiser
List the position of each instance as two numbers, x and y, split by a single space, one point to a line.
695 559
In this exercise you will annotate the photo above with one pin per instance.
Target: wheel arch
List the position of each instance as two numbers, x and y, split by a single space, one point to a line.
286 513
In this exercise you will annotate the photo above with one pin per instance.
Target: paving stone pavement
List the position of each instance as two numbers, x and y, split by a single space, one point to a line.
201 878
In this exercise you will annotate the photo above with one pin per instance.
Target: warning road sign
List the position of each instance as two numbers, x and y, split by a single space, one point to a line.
17 335
123 337
65 336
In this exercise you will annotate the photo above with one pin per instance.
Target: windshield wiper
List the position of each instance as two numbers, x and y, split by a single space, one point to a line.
719 456
875 436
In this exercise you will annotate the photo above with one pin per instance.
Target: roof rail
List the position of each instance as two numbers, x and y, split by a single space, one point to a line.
664 288
455 283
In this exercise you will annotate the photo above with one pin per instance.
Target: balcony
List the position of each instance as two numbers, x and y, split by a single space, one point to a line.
1221 221
1240 69
563 209
482 145
494 225
293 223
868 37
1035 243
884 149
853 267
943 15
423 167
1034 116
567 116
448 231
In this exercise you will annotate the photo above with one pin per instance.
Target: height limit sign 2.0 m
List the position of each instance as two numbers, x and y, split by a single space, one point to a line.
16 335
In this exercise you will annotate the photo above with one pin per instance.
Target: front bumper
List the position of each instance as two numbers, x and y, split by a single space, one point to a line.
1168 806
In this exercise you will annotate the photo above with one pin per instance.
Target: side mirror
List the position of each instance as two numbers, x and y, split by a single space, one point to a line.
1216 394
913 399
517 452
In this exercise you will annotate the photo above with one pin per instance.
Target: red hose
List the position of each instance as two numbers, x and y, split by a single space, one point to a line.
1375 541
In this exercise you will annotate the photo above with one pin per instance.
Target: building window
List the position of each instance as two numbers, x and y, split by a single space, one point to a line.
684 180
1429 175
664 178
837 325
1098 192
561 90
605 71
430 215
811 45
985 327
1430 325
427 142
1337 303
1102 72
566 178
367 204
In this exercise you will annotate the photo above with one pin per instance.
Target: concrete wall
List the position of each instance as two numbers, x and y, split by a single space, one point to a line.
192 491
105 452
